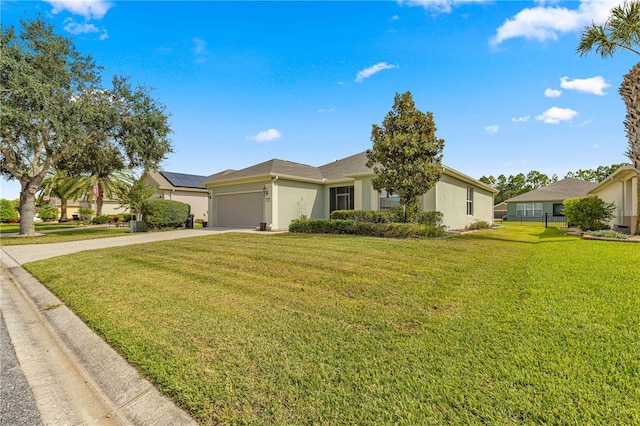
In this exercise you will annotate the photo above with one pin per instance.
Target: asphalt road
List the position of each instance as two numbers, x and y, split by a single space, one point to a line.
17 406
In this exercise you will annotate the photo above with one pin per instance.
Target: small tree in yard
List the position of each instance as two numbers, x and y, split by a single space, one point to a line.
588 213
134 196
406 153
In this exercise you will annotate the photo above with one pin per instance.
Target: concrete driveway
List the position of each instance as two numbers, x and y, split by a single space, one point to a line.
32 252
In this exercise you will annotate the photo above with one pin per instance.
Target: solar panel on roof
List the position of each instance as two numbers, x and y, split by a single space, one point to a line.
183 180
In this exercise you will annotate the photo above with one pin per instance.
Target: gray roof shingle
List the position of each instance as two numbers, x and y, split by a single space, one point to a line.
272 167
557 191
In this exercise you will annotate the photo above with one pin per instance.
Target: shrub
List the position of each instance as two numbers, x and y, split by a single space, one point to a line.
588 213
429 218
99 220
387 216
7 212
158 213
608 234
322 226
372 229
85 213
382 216
478 224
47 213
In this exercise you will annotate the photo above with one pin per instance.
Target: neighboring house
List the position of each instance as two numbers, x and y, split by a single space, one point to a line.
621 188
109 206
181 187
276 192
533 205
500 210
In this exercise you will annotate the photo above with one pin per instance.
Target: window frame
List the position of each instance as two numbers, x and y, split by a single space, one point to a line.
341 193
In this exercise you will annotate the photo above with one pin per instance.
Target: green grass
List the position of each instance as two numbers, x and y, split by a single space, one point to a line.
40 226
519 325
66 236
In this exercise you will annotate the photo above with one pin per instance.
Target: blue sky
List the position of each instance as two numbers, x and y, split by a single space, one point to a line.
246 82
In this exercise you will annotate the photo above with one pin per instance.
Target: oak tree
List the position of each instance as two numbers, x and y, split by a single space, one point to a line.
55 112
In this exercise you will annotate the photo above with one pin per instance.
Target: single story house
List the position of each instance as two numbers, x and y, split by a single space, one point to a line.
181 187
533 205
277 191
621 188
109 206
500 210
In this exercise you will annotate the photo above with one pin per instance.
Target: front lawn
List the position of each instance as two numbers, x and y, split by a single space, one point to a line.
40 226
66 236
518 325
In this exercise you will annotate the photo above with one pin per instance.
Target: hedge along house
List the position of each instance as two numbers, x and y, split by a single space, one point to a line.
621 188
277 191
181 187
533 205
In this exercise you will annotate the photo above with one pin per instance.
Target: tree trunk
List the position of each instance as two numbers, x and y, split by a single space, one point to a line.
27 208
63 210
630 92
99 200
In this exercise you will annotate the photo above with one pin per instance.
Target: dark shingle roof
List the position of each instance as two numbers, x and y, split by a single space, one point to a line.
557 191
182 180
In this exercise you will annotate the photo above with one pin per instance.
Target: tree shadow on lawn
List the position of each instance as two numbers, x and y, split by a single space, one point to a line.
533 236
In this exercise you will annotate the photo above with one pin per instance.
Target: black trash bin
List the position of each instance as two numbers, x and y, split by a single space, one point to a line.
190 222
263 226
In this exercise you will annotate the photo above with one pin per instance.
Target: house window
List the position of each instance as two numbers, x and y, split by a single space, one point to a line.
529 209
558 209
341 198
388 202
469 201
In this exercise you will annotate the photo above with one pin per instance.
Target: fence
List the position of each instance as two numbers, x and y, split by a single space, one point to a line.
555 221
547 220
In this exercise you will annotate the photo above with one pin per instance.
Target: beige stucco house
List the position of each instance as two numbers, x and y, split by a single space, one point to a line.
277 191
621 188
181 187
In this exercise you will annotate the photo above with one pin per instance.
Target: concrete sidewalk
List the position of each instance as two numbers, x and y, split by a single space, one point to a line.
73 375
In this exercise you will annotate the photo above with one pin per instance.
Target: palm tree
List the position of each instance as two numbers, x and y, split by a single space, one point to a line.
621 31
59 184
108 185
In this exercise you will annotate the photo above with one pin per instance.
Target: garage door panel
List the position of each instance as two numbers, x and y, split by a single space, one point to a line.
239 209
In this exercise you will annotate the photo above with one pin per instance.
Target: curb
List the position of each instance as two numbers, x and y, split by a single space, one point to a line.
134 398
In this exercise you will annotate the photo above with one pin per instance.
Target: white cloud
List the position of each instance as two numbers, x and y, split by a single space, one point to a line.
368 72
492 129
266 136
76 28
544 22
326 110
552 93
438 6
555 115
199 46
593 85
520 119
104 35
90 9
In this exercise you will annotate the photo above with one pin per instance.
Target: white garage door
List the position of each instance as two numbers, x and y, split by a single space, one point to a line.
239 209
